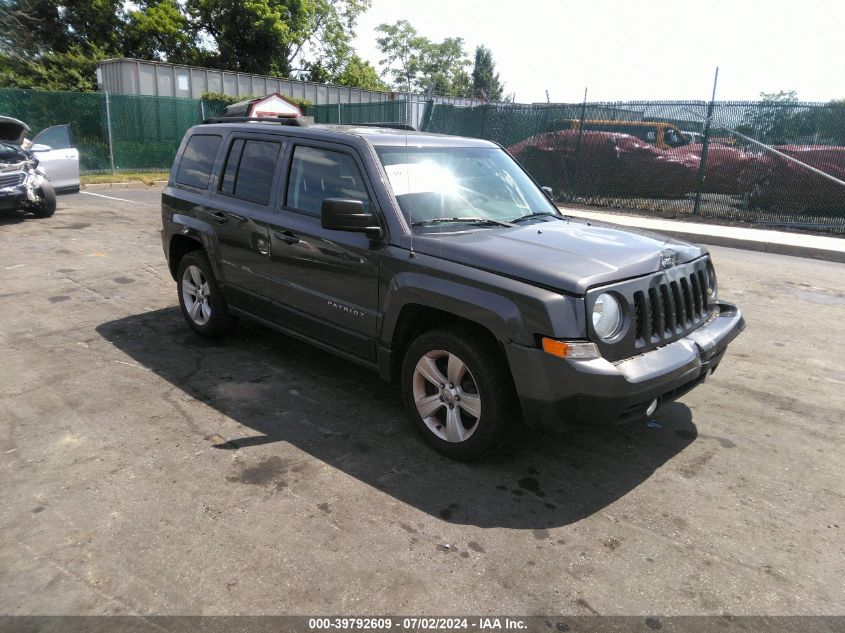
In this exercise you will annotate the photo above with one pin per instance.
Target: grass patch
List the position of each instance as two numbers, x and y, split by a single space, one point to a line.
146 177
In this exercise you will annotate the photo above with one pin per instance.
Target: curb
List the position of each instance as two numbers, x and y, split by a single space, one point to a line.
819 247
795 250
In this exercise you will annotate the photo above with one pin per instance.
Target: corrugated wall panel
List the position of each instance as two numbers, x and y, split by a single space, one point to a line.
137 76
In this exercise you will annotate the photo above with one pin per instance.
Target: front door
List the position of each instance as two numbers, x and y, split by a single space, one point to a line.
324 283
58 157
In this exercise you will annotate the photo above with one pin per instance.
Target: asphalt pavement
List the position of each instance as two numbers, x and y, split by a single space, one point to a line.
144 470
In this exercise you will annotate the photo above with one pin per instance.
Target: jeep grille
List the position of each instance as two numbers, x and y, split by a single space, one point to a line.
671 308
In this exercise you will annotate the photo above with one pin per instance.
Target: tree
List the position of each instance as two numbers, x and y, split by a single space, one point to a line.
442 69
485 79
268 36
42 40
772 120
402 48
416 63
32 27
360 74
159 30
73 70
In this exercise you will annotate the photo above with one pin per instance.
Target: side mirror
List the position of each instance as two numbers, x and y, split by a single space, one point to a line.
39 147
550 194
340 214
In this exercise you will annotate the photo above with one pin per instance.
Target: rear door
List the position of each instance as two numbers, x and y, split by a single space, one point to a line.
61 161
325 283
240 212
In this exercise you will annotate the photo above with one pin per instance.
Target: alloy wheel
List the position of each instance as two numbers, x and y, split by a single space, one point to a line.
446 396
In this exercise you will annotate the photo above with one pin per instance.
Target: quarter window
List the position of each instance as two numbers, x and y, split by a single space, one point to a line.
228 184
197 160
249 170
317 174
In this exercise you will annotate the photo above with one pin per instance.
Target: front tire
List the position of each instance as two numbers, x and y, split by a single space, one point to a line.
458 391
202 303
47 207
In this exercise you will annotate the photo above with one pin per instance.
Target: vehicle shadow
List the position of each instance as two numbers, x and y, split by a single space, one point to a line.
12 217
348 418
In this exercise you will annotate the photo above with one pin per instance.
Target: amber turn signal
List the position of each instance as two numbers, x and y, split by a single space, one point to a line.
555 348
573 350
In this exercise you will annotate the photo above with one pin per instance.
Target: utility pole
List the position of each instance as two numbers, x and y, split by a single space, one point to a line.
576 166
705 144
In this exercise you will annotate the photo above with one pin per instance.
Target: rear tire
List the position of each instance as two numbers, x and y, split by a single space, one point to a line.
47 207
202 303
458 391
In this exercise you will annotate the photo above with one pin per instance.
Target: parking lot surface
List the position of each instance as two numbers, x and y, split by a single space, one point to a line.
144 470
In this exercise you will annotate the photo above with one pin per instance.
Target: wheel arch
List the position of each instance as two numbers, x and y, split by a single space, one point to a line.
414 308
190 234
181 245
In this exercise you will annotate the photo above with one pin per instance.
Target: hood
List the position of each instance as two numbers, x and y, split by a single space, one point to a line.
571 255
12 130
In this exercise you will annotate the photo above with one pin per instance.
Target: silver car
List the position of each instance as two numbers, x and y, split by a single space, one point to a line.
32 172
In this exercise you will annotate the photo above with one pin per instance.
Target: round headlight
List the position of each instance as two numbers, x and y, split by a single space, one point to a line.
607 316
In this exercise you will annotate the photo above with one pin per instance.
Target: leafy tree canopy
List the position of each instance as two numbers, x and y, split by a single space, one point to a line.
485 79
415 63
56 43
782 118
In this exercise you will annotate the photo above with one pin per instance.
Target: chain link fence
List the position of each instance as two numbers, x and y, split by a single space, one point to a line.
118 132
343 113
645 155
111 132
661 157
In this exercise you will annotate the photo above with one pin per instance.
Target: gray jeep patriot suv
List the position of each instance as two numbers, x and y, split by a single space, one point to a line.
438 262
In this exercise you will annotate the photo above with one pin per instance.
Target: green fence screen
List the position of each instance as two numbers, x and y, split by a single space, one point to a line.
654 156
146 130
345 113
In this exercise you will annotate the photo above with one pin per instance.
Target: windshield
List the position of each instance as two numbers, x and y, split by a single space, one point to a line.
434 183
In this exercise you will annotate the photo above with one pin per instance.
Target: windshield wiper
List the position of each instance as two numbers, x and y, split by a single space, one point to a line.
536 214
461 220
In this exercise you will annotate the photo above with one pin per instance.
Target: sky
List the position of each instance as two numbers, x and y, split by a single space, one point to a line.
637 49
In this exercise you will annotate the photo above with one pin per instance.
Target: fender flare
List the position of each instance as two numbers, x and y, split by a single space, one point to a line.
199 231
491 310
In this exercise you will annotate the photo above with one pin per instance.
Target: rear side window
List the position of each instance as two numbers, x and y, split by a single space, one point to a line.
197 160
249 170
316 174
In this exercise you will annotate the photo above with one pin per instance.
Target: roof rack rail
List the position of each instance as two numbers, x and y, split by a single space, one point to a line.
395 126
293 121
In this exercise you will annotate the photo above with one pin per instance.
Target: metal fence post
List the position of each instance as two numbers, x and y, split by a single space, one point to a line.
578 146
705 144
339 118
108 127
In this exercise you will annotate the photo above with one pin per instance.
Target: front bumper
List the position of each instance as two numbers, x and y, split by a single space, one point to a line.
555 392
12 198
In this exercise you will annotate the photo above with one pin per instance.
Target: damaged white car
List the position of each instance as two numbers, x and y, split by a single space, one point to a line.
32 172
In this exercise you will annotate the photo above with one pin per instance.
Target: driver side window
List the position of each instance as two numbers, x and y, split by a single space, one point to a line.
56 137
317 174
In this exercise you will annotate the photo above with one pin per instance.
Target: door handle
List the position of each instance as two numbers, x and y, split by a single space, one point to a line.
286 236
221 217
